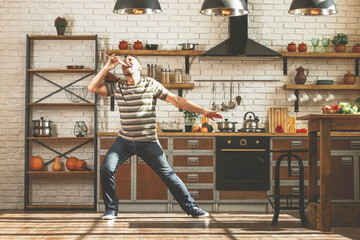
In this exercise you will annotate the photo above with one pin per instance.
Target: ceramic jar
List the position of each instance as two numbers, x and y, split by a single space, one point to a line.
301 75
291 47
138 45
349 78
123 45
302 47
356 48
340 48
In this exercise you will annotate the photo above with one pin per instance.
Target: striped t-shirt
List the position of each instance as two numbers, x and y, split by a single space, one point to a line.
136 105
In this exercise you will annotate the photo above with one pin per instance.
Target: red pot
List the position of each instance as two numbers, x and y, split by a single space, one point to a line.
138 45
349 78
340 48
123 45
302 47
291 47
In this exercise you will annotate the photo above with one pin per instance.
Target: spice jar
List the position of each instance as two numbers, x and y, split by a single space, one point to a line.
151 70
165 75
178 76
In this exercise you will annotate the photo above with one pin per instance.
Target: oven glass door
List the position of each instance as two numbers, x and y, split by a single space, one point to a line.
243 170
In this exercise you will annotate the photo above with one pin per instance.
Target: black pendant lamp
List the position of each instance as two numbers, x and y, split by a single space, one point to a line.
226 8
313 7
137 7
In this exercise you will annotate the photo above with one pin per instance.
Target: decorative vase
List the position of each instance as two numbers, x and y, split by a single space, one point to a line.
138 45
291 47
302 47
349 78
123 45
340 48
60 30
356 48
301 75
57 164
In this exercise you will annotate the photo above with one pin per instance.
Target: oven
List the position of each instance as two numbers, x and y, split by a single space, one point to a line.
243 163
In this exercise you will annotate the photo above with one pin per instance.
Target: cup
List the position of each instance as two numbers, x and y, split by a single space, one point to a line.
292 98
317 97
330 97
304 97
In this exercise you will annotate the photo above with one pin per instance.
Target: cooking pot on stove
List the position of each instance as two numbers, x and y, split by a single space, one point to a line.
251 122
226 125
187 46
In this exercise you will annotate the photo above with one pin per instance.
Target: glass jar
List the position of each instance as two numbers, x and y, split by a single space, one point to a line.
151 70
178 76
165 75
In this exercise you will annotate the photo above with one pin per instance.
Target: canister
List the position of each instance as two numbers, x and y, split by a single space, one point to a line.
178 76
151 70
165 75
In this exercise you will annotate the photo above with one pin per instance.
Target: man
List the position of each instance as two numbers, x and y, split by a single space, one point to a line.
136 99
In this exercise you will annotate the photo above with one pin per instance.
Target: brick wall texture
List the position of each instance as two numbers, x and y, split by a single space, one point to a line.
261 82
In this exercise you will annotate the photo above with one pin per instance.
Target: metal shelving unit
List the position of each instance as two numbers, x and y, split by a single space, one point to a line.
44 141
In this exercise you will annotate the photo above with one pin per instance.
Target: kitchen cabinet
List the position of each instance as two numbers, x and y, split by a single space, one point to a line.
41 100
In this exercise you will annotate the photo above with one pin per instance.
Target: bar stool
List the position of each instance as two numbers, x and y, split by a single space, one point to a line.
289 154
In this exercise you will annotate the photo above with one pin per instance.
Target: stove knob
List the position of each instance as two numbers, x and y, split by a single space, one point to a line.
257 142
228 142
243 142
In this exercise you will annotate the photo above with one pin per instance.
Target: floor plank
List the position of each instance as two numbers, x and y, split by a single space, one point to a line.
160 226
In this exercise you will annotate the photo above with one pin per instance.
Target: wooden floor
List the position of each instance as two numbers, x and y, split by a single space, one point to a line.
159 226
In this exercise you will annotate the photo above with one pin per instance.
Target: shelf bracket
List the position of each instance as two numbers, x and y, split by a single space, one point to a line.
187 64
285 65
296 104
357 66
180 93
112 104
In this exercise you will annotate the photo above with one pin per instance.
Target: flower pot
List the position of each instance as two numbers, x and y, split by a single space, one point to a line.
340 48
356 48
60 30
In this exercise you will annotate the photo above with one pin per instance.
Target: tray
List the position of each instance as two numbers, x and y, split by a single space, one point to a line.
325 82
171 130
75 67
330 111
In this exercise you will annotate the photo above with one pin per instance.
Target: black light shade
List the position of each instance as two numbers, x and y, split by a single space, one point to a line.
224 8
313 7
137 7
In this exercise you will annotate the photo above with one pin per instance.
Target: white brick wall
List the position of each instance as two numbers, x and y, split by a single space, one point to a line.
261 81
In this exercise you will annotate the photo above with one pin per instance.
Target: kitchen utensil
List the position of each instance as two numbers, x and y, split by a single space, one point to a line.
238 98
317 97
349 78
301 75
223 106
151 46
292 98
138 45
121 62
249 122
304 97
302 47
42 132
75 67
231 104
330 97
187 46
123 45
213 105
325 42
324 82
41 123
226 125
291 47
315 43
278 116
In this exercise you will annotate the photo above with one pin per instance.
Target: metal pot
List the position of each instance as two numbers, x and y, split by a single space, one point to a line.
187 46
42 132
226 125
41 123
249 122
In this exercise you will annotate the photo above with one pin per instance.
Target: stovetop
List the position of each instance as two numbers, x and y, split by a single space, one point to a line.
250 130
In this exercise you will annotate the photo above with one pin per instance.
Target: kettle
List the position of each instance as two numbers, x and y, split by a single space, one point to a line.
249 122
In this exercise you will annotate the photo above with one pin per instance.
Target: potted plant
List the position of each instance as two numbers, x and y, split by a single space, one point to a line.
340 40
190 118
60 24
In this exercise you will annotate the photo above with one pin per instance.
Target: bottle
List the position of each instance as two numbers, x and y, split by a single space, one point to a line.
178 76
292 122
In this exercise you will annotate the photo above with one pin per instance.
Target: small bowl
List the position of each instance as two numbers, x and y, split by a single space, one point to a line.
151 46
75 67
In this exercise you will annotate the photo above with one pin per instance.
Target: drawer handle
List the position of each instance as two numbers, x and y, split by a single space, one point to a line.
193 177
194 194
296 144
295 171
346 161
193 143
127 161
141 162
193 161
295 190
355 144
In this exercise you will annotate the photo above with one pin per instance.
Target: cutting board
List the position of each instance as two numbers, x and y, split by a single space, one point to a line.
278 116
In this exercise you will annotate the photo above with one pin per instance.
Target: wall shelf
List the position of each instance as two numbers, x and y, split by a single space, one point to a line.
59 172
62 37
61 138
61 104
329 55
61 70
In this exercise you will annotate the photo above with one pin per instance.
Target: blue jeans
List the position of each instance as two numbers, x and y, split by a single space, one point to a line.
153 154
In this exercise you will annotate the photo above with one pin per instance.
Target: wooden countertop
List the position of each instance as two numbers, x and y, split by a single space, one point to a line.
216 134
329 116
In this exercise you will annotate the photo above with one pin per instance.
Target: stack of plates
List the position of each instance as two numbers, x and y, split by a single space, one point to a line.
324 82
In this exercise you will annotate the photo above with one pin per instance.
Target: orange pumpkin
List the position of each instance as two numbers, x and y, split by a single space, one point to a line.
36 163
75 164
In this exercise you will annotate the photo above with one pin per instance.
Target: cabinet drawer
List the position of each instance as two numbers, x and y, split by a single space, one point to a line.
295 173
105 143
193 144
191 161
242 195
196 177
287 190
164 143
279 144
345 144
342 177
201 194
304 156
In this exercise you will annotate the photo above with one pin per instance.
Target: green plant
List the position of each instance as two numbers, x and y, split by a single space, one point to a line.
190 117
61 22
340 38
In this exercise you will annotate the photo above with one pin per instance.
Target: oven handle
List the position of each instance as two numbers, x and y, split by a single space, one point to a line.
243 150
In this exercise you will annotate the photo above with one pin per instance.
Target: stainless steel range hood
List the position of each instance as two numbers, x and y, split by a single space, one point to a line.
239 46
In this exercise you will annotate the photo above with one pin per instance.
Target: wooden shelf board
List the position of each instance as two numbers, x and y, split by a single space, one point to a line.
85 70
156 52
60 104
319 55
321 87
61 138
60 206
60 172
179 85
62 37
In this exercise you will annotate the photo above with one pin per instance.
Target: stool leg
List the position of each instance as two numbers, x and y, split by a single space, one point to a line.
277 191
301 191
